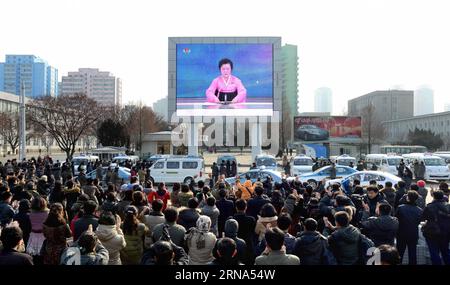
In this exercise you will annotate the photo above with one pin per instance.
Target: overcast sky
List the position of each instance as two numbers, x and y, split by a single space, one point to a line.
352 47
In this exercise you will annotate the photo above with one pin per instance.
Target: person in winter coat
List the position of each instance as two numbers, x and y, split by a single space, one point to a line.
88 218
421 171
161 194
373 198
284 222
408 216
184 195
188 216
110 204
389 193
437 228
420 200
134 233
71 194
111 236
226 210
312 247
6 210
255 204
38 215
56 232
382 229
210 210
11 241
154 218
91 190
246 228
223 168
23 218
225 253
200 242
215 172
344 242
423 192
401 169
401 191
246 189
175 231
231 231
266 219
88 250
174 195
233 169
140 202
274 255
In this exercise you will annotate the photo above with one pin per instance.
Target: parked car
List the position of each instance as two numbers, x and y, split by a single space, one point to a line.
255 174
364 177
324 172
311 133
124 173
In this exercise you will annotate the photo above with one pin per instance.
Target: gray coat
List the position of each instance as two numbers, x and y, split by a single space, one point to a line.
213 213
277 257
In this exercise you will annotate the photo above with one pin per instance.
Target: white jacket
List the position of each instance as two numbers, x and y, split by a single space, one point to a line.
113 240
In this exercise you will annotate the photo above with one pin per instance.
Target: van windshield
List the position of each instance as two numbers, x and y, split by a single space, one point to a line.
303 161
393 161
434 162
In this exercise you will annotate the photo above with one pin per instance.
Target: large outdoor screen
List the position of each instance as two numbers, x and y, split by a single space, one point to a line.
224 79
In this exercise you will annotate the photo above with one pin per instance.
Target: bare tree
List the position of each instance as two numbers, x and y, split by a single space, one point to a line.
140 119
9 129
371 126
66 118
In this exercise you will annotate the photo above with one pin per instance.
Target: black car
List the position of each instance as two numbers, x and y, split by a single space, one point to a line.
311 133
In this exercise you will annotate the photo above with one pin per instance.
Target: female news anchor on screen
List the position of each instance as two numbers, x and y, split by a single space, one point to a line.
226 87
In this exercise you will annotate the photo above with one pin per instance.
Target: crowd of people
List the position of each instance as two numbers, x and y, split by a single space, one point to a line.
55 218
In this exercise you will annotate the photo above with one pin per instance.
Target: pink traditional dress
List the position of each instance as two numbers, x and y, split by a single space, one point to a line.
226 90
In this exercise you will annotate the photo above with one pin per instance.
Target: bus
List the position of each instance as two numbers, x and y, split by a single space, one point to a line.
402 149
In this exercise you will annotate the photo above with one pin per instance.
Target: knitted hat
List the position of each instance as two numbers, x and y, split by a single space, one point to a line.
421 183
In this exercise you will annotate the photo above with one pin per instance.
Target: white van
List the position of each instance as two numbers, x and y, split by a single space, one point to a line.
301 164
181 169
83 159
384 162
345 160
435 167
443 154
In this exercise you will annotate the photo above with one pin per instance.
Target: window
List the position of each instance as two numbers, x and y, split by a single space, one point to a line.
355 177
369 177
159 165
173 164
341 170
190 164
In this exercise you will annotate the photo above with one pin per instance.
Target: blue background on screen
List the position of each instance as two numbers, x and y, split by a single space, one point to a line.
197 66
